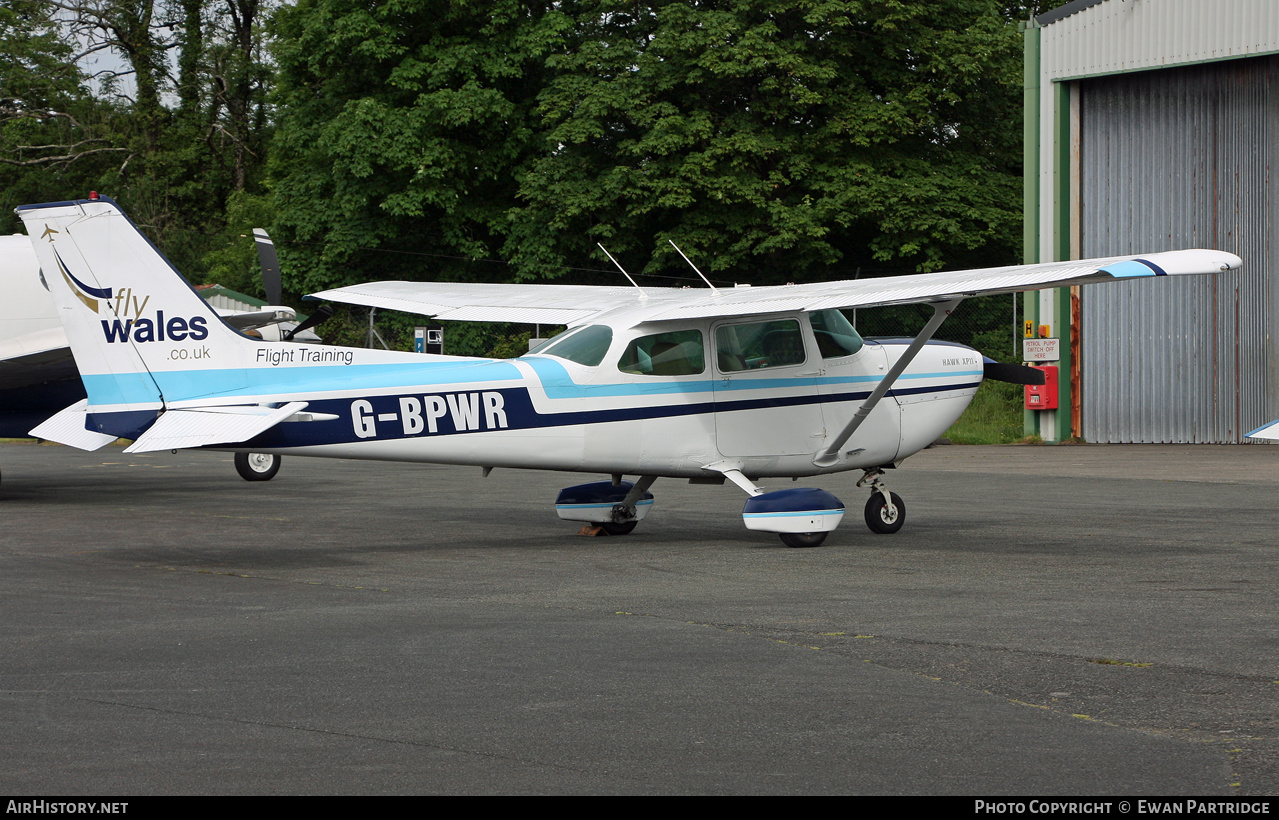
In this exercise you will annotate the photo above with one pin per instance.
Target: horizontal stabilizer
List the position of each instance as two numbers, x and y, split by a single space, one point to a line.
67 427
1269 432
204 426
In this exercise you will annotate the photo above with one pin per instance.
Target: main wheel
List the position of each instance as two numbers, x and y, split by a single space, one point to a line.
803 539
614 528
881 517
257 466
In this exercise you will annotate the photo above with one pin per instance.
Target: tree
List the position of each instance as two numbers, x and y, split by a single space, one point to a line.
401 126
129 28
771 139
53 135
178 143
776 139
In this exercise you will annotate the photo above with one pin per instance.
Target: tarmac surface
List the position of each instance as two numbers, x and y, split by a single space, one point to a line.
1071 620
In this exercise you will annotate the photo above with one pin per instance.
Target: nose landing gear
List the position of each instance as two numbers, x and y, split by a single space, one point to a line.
885 511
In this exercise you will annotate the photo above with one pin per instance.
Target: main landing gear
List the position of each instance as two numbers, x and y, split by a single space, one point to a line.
615 506
801 517
257 466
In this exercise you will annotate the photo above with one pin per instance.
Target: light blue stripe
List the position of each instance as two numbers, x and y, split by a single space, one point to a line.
790 514
181 385
1265 426
610 504
127 388
193 384
558 384
1128 270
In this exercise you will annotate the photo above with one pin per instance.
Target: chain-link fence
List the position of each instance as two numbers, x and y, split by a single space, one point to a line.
987 323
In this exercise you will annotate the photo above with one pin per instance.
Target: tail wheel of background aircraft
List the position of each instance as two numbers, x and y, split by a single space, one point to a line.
257 466
883 518
803 539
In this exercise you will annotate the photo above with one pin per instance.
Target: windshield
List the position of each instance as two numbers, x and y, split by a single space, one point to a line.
835 335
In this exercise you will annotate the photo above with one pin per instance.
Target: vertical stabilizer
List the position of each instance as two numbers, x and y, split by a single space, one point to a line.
129 316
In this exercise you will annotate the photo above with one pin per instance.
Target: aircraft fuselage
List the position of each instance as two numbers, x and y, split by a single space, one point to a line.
547 412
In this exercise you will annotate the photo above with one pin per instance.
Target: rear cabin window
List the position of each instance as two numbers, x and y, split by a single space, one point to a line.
678 353
759 345
586 346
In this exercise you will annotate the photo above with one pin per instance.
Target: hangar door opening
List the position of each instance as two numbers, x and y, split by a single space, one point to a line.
1180 158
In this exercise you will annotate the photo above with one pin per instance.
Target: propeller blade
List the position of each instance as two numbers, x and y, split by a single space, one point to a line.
270 266
1012 373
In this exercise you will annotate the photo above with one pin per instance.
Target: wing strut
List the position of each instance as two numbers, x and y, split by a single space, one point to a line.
941 310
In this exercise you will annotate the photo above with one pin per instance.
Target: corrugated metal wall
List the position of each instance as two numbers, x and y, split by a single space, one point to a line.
1179 158
1131 35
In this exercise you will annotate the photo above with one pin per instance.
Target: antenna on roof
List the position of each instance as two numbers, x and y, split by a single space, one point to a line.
622 269
714 290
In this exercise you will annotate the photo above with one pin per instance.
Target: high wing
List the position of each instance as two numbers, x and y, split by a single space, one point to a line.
578 304
470 302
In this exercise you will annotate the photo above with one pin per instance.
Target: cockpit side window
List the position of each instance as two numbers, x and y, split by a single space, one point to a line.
759 345
586 346
835 335
677 353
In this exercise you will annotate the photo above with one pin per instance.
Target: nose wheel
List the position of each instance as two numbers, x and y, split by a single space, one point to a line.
885 516
885 511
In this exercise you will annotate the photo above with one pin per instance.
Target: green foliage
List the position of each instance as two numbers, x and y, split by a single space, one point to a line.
235 264
773 139
401 125
171 169
993 417
55 138
986 323
511 345
776 139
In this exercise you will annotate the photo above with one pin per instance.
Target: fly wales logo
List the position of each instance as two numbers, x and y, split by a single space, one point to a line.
126 320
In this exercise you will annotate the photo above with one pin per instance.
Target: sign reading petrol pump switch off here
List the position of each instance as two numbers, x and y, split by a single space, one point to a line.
1041 350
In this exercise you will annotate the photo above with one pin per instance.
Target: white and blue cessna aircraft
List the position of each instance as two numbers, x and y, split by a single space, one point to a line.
744 384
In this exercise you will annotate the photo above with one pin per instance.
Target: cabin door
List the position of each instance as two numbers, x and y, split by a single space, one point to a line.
766 389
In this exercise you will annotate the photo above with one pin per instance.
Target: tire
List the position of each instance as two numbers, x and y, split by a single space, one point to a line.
257 466
880 519
624 528
802 539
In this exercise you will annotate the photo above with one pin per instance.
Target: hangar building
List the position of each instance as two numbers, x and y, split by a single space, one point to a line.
1154 125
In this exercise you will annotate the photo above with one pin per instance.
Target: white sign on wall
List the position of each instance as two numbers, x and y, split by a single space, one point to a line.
1041 350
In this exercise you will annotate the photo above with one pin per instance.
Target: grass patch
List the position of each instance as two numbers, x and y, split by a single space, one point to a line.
993 417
